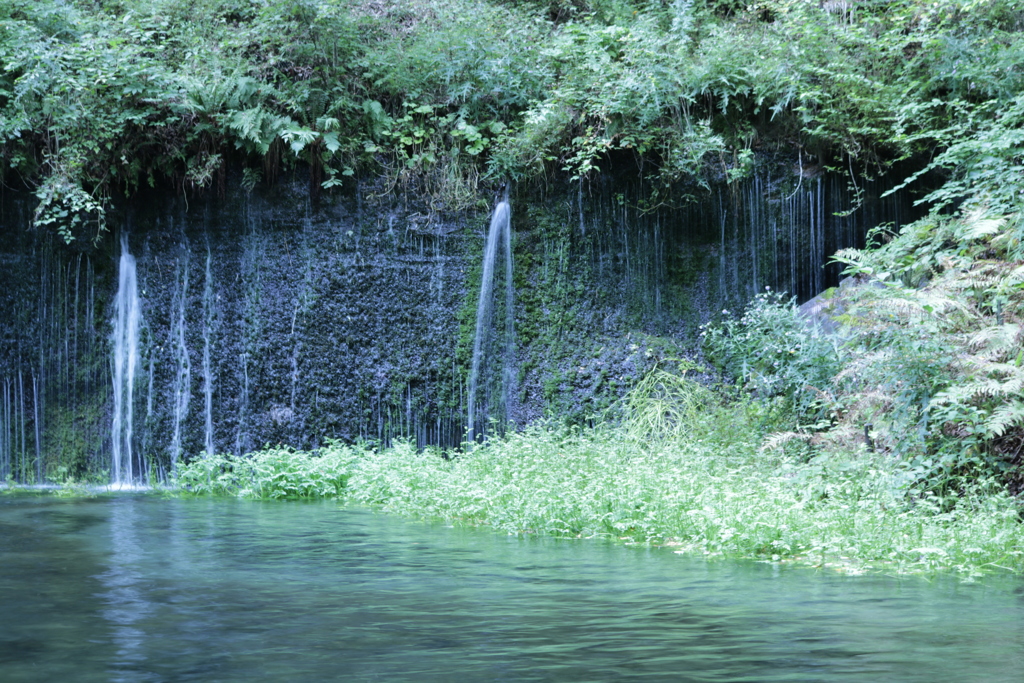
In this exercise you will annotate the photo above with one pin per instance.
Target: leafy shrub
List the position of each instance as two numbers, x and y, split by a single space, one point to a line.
279 472
773 350
942 338
100 98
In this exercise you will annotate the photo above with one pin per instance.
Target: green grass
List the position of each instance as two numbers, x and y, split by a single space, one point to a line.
712 492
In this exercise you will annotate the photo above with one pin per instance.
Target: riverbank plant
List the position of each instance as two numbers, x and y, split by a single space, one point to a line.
712 488
922 359
772 351
273 473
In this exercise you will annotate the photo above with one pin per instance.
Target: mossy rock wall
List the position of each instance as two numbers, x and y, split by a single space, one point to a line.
354 318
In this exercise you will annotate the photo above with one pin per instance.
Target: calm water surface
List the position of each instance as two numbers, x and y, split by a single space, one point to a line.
139 588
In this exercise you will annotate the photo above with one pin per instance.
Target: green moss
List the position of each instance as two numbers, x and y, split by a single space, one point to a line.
73 438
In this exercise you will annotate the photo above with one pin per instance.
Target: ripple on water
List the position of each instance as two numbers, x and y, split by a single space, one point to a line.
139 588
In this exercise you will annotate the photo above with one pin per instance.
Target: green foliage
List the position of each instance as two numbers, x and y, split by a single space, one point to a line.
982 414
664 405
774 351
98 99
982 151
908 365
938 335
271 473
713 492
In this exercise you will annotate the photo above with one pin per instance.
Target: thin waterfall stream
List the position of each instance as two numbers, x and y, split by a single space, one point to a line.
208 313
125 345
182 378
500 232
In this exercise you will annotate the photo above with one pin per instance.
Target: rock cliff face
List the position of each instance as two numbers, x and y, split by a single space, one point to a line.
265 319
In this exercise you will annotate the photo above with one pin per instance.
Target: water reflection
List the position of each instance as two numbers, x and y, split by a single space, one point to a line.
125 594
233 591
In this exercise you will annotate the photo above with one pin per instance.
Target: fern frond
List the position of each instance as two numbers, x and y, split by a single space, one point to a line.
905 304
1009 375
257 127
1007 415
978 224
778 440
995 388
327 124
996 381
862 366
240 91
997 341
215 96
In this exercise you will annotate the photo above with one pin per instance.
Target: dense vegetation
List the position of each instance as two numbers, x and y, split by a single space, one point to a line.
100 97
703 486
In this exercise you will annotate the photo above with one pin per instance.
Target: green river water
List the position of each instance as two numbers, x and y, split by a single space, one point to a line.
144 588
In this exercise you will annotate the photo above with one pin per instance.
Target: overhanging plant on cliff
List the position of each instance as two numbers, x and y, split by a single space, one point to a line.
105 97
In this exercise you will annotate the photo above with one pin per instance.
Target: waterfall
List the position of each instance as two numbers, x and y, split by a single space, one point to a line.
37 426
125 343
207 351
265 324
501 226
243 404
181 386
21 412
510 320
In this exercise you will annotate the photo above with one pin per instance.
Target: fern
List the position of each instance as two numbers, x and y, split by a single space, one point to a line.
986 404
257 128
997 342
1007 415
779 440
231 92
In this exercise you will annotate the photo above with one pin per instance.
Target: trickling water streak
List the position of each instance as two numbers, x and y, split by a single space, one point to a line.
207 360
295 356
37 425
48 313
814 259
500 223
787 226
182 382
126 360
149 389
721 256
301 304
510 327
759 228
819 281
74 327
21 414
579 204
5 433
243 403
653 264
